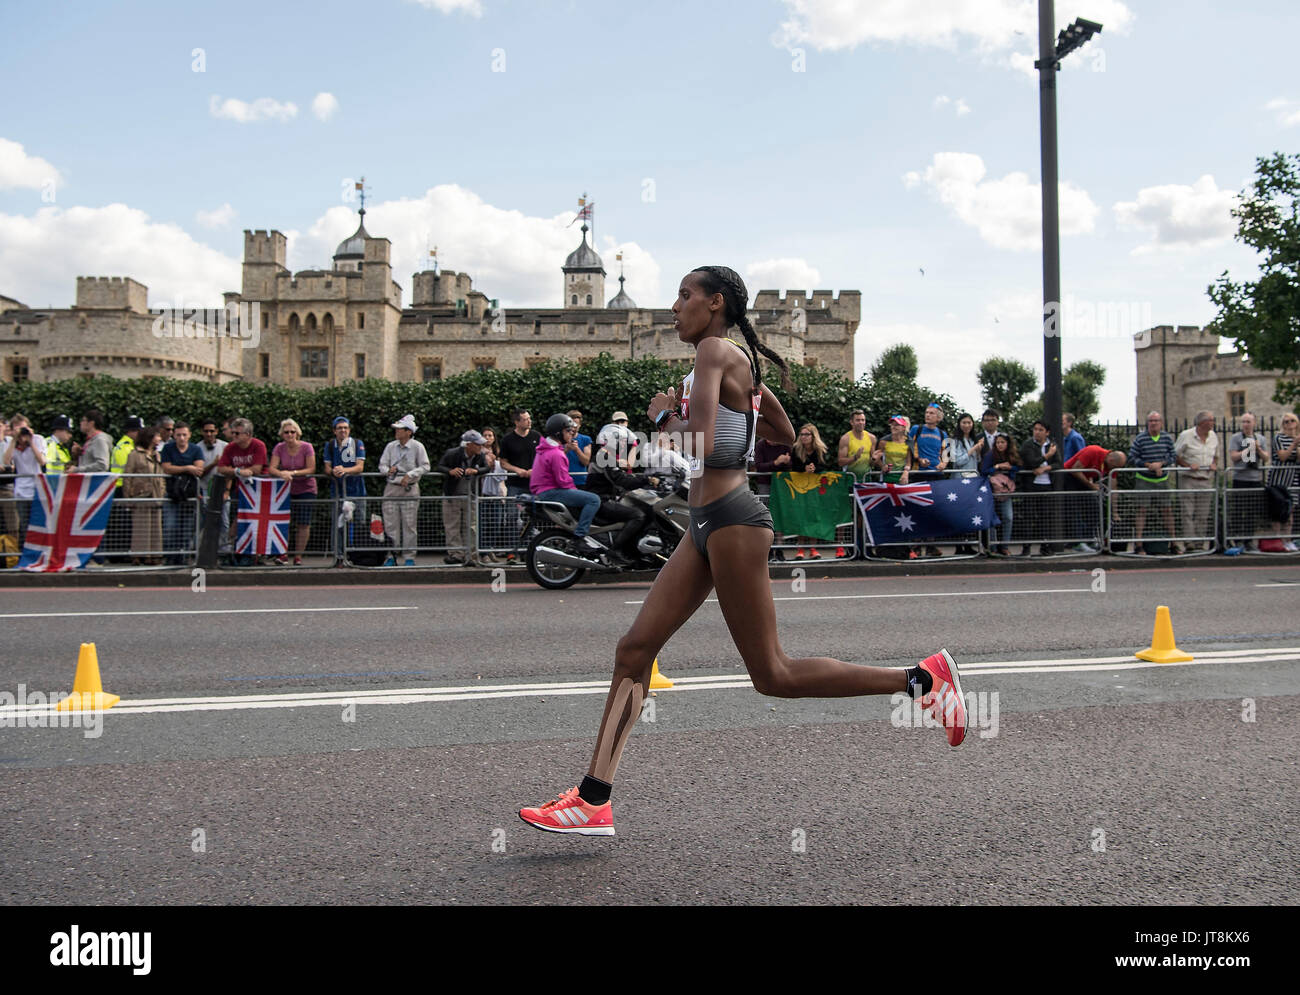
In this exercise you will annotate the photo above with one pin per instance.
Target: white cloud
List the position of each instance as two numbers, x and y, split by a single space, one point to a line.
324 106
20 170
1180 217
510 256
472 7
1288 111
218 218
261 109
42 255
959 105
781 274
1004 28
1007 212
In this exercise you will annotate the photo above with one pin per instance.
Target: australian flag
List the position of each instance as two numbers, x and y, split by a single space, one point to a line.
932 510
263 523
68 517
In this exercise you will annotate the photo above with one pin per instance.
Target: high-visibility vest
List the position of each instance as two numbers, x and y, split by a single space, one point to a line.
57 455
120 452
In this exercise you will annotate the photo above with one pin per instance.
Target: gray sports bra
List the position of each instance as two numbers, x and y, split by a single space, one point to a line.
733 431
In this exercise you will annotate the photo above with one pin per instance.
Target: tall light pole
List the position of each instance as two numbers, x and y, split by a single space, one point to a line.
1051 50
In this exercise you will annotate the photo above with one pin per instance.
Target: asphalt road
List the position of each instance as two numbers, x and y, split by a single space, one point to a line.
373 743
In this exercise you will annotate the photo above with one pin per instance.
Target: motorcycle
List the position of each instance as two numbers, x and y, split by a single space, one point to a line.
556 559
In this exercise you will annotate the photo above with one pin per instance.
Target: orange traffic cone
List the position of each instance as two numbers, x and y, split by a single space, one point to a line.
658 680
1162 649
87 689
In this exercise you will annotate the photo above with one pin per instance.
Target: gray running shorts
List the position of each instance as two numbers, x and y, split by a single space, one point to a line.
740 507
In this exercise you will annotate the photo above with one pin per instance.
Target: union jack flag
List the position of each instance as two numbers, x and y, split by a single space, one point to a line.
263 522
952 507
68 517
870 495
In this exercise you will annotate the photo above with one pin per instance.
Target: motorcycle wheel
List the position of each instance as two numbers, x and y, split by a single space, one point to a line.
553 577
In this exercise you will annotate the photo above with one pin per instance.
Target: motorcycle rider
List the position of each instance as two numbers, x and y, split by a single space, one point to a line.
609 477
550 480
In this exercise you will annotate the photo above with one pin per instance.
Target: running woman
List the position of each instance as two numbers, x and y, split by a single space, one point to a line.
724 404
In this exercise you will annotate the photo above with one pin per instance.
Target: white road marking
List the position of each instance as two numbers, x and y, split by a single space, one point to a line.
214 611
416 696
927 594
1281 584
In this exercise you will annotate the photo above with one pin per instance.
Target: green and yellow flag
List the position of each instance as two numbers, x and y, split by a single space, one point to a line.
811 504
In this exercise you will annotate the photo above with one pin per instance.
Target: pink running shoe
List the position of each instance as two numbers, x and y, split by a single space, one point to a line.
570 814
945 700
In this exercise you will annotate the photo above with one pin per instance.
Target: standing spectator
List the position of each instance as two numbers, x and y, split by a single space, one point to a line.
1247 455
578 451
211 447
166 426
769 458
1197 449
1090 470
26 455
462 464
9 521
894 454
808 455
1000 466
92 456
345 461
184 465
403 462
1038 458
990 421
58 447
142 485
518 449
492 511
929 458
117 536
1286 456
856 452
295 461
963 451
1071 441
244 457
1151 454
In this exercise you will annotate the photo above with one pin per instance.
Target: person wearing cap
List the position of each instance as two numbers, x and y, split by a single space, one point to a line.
345 460
462 464
403 462
893 453
58 447
122 448
578 451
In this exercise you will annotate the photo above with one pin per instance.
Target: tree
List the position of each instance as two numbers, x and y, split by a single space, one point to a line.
1079 389
896 361
1263 318
1004 382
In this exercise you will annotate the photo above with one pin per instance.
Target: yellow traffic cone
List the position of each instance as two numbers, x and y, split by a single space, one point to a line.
658 680
87 689
1162 649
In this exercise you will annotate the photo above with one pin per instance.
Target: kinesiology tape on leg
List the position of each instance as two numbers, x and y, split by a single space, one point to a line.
624 710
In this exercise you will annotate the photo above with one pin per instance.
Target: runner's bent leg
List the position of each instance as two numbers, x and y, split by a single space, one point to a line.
681 587
738 559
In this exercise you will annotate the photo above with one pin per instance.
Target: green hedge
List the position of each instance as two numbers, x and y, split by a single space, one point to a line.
445 408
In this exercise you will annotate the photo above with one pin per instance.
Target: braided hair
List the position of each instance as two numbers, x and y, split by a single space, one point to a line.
727 282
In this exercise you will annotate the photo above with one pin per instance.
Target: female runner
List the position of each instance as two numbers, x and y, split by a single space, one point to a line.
724 403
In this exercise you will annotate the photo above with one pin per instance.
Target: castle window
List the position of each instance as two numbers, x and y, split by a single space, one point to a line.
589 300
16 369
484 363
531 361
361 320
361 365
266 320
293 323
575 300
264 365
1236 403
328 325
430 369
314 364
311 323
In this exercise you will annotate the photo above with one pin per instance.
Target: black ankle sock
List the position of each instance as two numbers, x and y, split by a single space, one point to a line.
918 678
594 791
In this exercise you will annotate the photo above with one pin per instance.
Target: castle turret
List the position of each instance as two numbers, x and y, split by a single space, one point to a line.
584 276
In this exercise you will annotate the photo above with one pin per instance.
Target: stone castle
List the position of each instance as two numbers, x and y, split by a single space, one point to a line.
325 327
1180 371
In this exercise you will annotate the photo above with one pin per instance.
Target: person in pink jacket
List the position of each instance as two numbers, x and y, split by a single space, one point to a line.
550 480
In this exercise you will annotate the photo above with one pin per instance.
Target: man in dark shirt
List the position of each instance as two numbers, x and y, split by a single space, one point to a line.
517 451
462 464
1039 457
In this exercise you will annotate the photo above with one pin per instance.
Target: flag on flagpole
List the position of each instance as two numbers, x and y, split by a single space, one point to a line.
69 514
811 504
932 510
584 211
263 522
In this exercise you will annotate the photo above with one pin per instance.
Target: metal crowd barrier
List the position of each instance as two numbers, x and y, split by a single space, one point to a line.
1176 517
1250 517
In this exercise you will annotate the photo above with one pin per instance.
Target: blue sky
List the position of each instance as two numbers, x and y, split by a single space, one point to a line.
805 143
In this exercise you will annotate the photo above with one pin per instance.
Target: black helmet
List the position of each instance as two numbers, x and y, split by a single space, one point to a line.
556 424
